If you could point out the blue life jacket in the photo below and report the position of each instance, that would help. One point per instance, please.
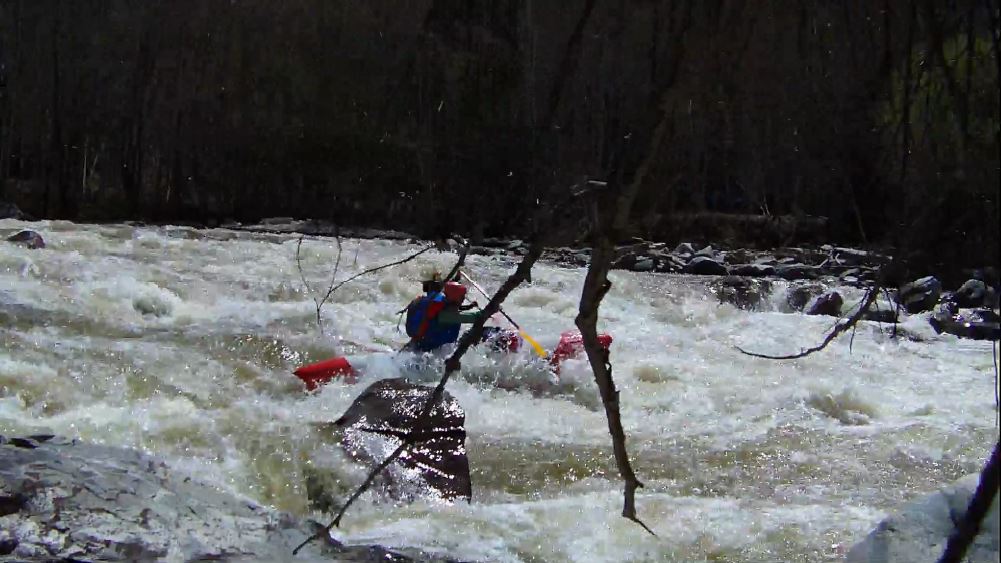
(423, 327)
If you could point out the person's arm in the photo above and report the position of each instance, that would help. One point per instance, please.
(454, 317)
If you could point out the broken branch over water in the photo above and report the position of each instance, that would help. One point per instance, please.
(452, 365)
(839, 328)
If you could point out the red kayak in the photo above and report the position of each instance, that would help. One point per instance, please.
(571, 346)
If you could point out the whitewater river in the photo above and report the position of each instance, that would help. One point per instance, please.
(181, 343)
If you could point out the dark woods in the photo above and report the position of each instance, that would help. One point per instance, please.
(440, 115)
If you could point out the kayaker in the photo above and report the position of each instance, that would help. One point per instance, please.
(434, 319)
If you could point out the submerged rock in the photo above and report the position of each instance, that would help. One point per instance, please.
(437, 467)
(976, 324)
(743, 293)
(920, 530)
(31, 239)
(61, 499)
(799, 296)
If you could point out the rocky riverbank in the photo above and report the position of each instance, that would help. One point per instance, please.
(743, 277)
(65, 500)
(920, 530)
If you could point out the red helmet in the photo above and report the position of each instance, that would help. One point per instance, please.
(454, 292)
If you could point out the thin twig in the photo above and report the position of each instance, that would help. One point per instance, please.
(452, 365)
(319, 303)
(870, 298)
(377, 268)
(333, 278)
(298, 264)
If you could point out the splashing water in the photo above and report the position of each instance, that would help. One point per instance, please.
(181, 342)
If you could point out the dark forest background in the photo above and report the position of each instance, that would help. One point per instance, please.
(881, 116)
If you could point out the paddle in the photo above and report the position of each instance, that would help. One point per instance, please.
(538, 349)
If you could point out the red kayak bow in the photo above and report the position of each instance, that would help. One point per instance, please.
(571, 345)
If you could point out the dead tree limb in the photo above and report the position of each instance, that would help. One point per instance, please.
(452, 365)
(839, 328)
(966, 530)
(596, 286)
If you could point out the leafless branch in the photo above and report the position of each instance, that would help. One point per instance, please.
(839, 328)
(334, 285)
(596, 286)
(333, 277)
(452, 365)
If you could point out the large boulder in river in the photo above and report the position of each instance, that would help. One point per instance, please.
(385, 412)
(704, 266)
(920, 295)
(31, 239)
(974, 293)
(827, 304)
(920, 530)
(64, 500)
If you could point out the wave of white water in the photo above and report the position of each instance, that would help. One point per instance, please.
(181, 342)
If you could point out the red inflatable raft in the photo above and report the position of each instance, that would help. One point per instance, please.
(571, 345)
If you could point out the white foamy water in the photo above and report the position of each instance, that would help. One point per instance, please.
(182, 342)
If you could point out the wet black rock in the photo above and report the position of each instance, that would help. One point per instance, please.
(703, 266)
(753, 270)
(797, 271)
(685, 249)
(385, 412)
(881, 315)
(827, 304)
(975, 324)
(31, 239)
(797, 297)
(974, 293)
(920, 295)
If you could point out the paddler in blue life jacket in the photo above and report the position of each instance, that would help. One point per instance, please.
(434, 319)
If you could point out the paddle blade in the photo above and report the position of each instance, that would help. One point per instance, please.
(535, 345)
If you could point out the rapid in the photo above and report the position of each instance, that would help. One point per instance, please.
(181, 342)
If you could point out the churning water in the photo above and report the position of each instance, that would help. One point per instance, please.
(181, 342)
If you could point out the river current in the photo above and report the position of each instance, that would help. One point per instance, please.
(181, 342)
